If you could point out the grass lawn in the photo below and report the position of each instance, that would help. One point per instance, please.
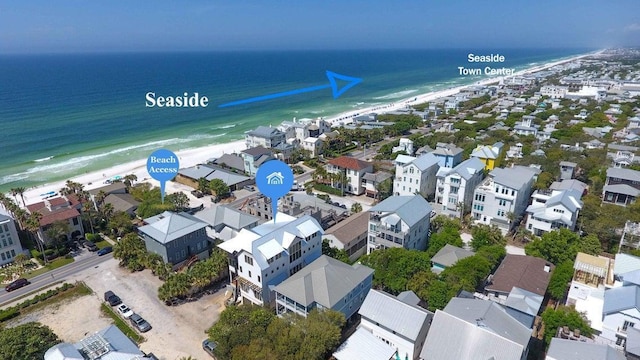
(121, 324)
(50, 266)
(103, 244)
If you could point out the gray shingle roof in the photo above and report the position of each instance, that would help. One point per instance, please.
(386, 310)
(231, 160)
(410, 209)
(350, 228)
(377, 177)
(169, 226)
(482, 329)
(622, 189)
(121, 202)
(565, 349)
(621, 298)
(515, 177)
(622, 173)
(446, 150)
(227, 177)
(196, 172)
(264, 132)
(449, 255)
(325, 281)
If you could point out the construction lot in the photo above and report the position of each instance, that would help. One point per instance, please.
(177, 330)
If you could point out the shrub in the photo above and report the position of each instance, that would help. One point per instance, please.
(8, 314)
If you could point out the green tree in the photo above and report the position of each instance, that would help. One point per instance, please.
(447, 235)
(338, 254)
(356, 208)
(27, 341)
(563, 316)
(130, 250)
(218, 188)
(560, 279)
(58, 232)
(394, 267)
(562, 245)
(485, 235)
(179, 200)
(120, 223)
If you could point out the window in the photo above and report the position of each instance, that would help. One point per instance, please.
(479, 197)
(627, 324)
(75, 221)
(258, 278)
(13, 253)
(249, 260)
(455, 181)
(296, 251)
(249, 273)
(502, 202)
(500, 212)
(454, 190)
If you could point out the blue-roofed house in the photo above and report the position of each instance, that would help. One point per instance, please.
(264, 136)
(400, 323)
(176, 237)
(448, 155)
(569, 349)
(416, 175)
(455, 187)
(399, 221)
(621, 311)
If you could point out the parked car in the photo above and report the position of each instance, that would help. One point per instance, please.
(249, 188)
(17, 284)
(91, 246)
(105, 250)
(141, 324)
(209, 346)
(125, 311)
(112, 298)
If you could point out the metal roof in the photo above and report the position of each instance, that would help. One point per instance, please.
(623, 173)
(410, 209)
(570, 199)
(565, 349)
(621, 298)
(388, 311)
(265, 132)
(468, 168)
(471, 329)
(220, 216)
(623, 189)
(425, 161)
(515, 178)
(524, 301)
(169, 226)
(326, 281)
(625, 263)
(363, 345)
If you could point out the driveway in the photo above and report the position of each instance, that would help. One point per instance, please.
(177, 331)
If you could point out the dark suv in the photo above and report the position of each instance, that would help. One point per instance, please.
(17, 284)
(112, 298)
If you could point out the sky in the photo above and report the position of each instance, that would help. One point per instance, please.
(45, 26)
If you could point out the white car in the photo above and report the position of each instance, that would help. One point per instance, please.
(124, 310)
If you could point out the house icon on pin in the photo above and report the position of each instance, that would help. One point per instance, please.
(275, 178)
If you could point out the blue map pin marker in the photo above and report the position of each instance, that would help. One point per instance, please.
(163, 166)
(274, 179)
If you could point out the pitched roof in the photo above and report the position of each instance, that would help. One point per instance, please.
(169, 226)
(449, 255)
(525, 272)
(377, 177)
(621, 298)
(233, 161)
(257, 151)
(468, 168)
(570, 199)
(623, 189)
(347, 162)
(623, 173)
(409, 297)
(363, 345)
(221, 216)
(565, 349)
(569, 184)
(326, 281)
(524, 301)
(62, 208)
(264, 132)
(425, 161)
(350, 228)
(388, 311)
(108, 189)
(515, 177)
(121, 202)
(446, 150)
(625, 263)
(486, 152)
(633, 341)
(482, 329)
(410, 209)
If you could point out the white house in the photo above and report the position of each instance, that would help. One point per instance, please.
(268, 254)
(553, 209)
(587, 290)
(455, 187)
(352, 171)
(620, 312)
(416, 175)
(526, 127)
(397, 321)
(264, 136)
(10, 245)
(554, 92)
(313, 146)
(503, 196)
(399, 221)
(405, 145)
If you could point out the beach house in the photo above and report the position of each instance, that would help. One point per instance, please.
(449, 155)
(264, 256)
(264, 136)
(10, 245)
(490, 155)
(63, 209)
(176, 237)
(350, 235)
(455, 187)
(399, 221)
(416, 175)
(350, 173)
(622, 186)
(254, 157)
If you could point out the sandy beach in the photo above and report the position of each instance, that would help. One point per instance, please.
(191, 157)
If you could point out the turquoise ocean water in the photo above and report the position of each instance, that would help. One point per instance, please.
(64, 115)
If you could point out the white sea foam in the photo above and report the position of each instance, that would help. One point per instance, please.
(396, 95)
(43, 159)
(226, 126)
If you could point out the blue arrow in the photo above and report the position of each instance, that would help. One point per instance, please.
(351, 82)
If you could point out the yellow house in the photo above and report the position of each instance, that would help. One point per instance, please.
(490, 155)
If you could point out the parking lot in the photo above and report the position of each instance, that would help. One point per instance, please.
(177, 330)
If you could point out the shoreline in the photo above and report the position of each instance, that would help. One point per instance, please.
(194, 156)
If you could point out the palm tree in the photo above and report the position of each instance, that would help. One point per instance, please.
(33, 226)
(99, 198)
(58, 231)
(14, 193)
(130, 179)
(20, 191)
(87, 210)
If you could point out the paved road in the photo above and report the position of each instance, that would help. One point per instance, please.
(83, 261)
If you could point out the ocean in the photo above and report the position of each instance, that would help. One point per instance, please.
(65, 115)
